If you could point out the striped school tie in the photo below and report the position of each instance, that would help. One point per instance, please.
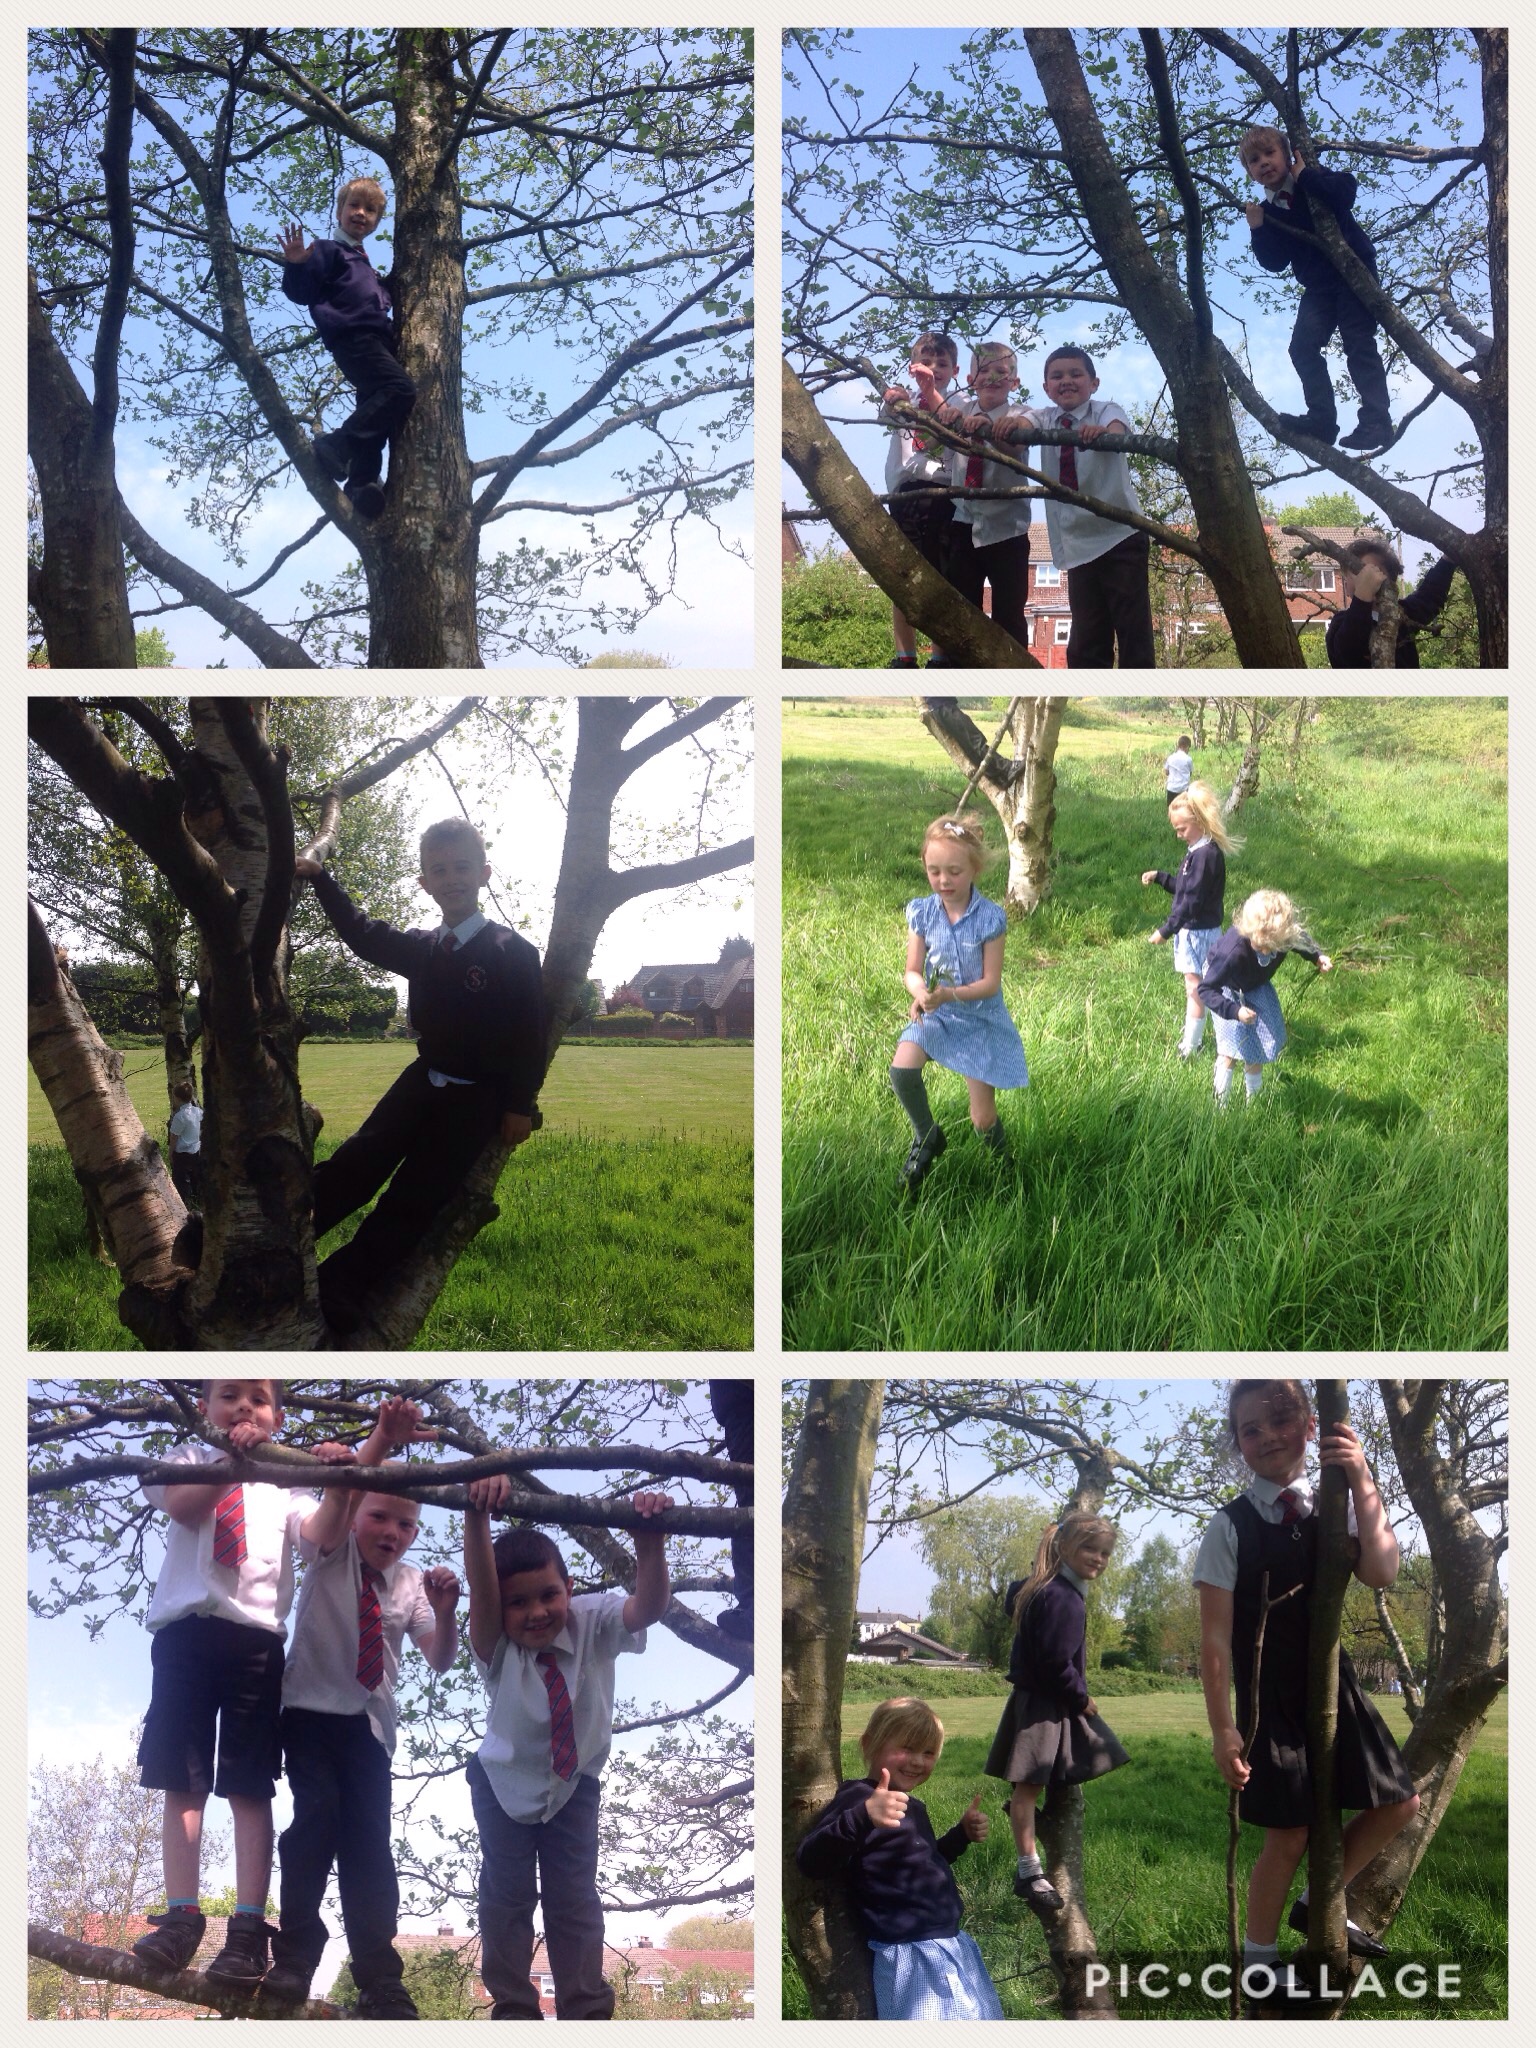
(229, 1529)
(1068, 471)
(1290, 1503)
(449, 942)
(562, 1728)
(370, 1631)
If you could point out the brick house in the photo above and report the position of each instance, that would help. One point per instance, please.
(718, 1000)
(642, 1974)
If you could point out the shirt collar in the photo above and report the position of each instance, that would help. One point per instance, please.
(350, 240)
(1073, 1579)
(1265, 1492)
(475, 923)
(1201, 842)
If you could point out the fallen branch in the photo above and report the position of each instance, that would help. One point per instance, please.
(186, 1987)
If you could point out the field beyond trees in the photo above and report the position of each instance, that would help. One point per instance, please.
(626, 1223)
(1361, 1203)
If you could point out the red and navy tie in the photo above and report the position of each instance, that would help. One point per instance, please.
(1069, 459)
(562, 1728)
(1290, 1503)
(229, 1529)
(449, 942)
(370, 1631)
(973, 471)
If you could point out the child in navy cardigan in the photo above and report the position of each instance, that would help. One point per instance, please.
(352, 310)
(1198, 891)
(1236, 985)
(477, 1007)
(1294, 188)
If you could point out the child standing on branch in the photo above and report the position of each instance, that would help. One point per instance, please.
(876, 1839)
(1050, 1733)
(915, 470)
(954, 976)
(1294, 191)
(352, 310)
(1198, 891)
(1271, 1528)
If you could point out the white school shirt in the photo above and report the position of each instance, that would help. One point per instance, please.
(321, 1672)
(187, 1129)
(463, 933)
(1216, 1559)
(258, 1592)
(905, 461)
(515, 1754)
(1078, 536)
(1177, 770)
(994, 519)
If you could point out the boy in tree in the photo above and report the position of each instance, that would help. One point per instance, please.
(1349, 630)
(913, 464)
(218, 1621)
(477, 1006)
(351, 309)
(548, 1665)
(1293, 190)
(359, 1602)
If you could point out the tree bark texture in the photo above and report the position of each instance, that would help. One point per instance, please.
(1473, 1665)
(186, 1987)
(1068, 1935)
(1233, 544)
(1020, 787)
(826, 1505)
(1325, 1842)
(879, 545)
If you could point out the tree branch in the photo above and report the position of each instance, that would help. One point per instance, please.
(116, 155)
(269, 646)
(186, 1987)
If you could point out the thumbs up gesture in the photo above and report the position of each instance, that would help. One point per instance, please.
(887, 1809)
(974, 1822)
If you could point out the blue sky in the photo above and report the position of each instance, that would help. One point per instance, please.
(84, 1699)
(1128, 372)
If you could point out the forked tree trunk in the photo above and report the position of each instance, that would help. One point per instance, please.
(825, 1508)
(1021, 787)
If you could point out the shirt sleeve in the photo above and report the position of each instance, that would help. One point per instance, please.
(991, 922)
(1270, 247)
(305, 282)
(917, 916)
(835, 1836)
(370, 938)
(1424, 604)
(1216, 1559)
(608, 1630)
(421, 1622)
(300, 1507)
(179, 1454)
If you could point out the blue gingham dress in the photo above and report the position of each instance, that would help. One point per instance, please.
(1191, 949)
(979, 1040)
(943, 1979)
(1257, 1043)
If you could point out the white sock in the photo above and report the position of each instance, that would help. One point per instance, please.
(1030, 1866)
(1259, 1951)
(1253, 1082)
(1223, 1081)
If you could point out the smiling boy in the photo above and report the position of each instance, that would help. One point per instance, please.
(547, 1659)
(351, 308)
(477, 1006)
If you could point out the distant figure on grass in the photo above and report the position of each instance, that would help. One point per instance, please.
(477, 1005)
(547, 1661)
(1294, 191)
(217, 1618)
(1236, 986)
(1178, 768)
(1050, 1733)
(989, 540)
(954, 976)
(351, 307)
(1349, 630)
(186, 1129)
(359, 1602)
(876, 1840)
(913, 464)
(1271, 1528)
(1198, 891)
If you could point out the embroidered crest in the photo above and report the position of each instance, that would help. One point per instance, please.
(476, 979)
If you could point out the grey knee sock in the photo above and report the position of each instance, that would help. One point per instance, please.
(912, 1093)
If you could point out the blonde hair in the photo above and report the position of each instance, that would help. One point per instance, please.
(959, 832)
(1058, 1546)
(988, 351)
(1271, 923)
(908, 1722)
(1201, 801)
(363, 185)
(1252, 137)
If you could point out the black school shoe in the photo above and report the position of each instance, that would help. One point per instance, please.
(287, 1984)
(367, 499)
(330, 451)
(242, 1961)
(1371, 433)
(175, 1941)
(1038, 1893)
(389, 2001)
(1326, 431)
(919, 1160)
(1360, 1943)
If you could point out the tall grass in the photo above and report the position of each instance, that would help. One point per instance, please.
(1359, 1203)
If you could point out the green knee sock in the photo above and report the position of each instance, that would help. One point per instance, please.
(912, 1093)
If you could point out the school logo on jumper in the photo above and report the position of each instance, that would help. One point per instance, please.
(475, 980)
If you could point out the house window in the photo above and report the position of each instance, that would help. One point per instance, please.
(1325, 579)
(1047, 576)
(1063, 632)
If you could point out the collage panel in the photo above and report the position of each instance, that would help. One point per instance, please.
(1055, 1727)
(1162, 347)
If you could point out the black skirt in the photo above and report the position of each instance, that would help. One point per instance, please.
(1036, 1744)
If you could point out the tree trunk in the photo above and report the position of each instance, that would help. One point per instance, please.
(170, 1008)
(421, 555)
(1233, 543)
(1059, 1831)
(1325, 1842)
(1413, 1698)
(825, 1508)
(81, 591)
(1020, 787)
(967, 635)
(1473, 1668)
(1246, 781)
(1489, 573)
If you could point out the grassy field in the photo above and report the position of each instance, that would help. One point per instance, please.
(625, 1225)
(1155, 1856)
(1360, 1203)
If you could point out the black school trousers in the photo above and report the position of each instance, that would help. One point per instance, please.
(1324, 310)
(385, 394)
(339, 1774)
(1004, 564)
(1112, 608)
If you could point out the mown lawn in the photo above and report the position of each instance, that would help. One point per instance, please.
(625, 1225)
(1360, 1203)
